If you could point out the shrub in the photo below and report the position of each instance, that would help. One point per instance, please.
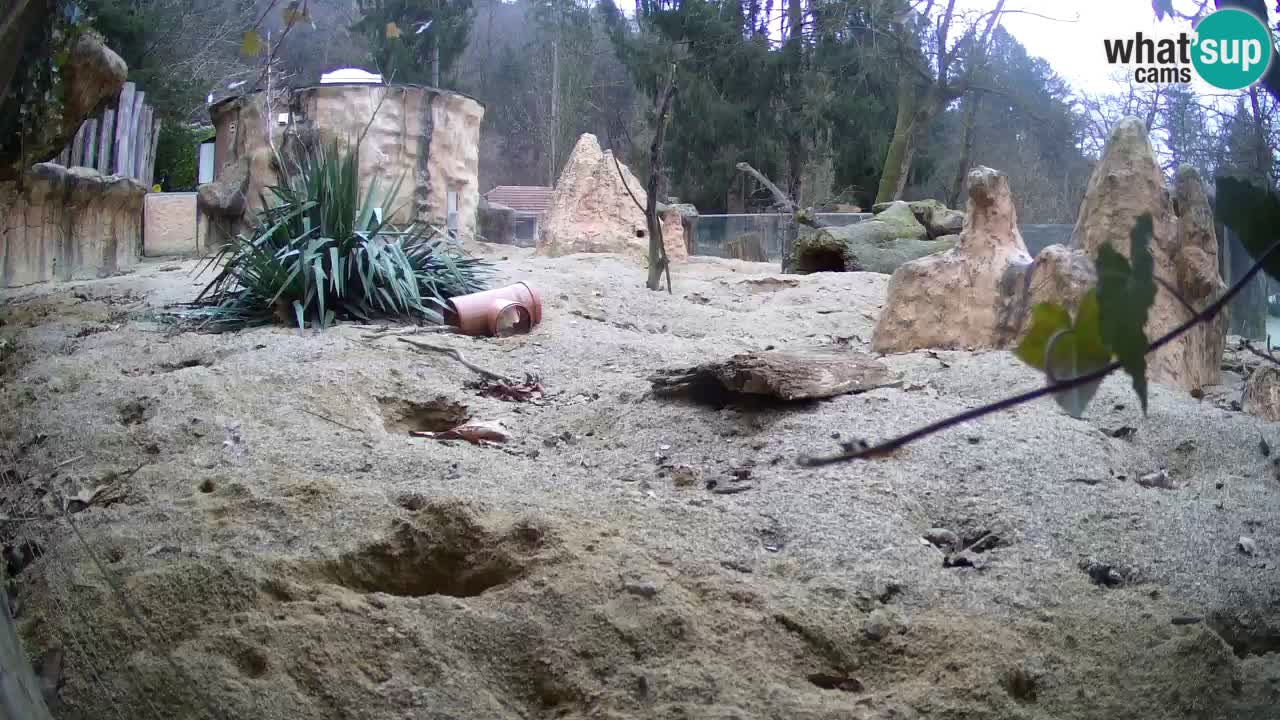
(319, 251)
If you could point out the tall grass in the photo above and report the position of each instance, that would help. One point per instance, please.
(320, 251)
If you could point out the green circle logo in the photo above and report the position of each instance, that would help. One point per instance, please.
(1232, 49)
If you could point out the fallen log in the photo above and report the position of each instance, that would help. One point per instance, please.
(783, 375)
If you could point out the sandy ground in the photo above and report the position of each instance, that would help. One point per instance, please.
(292, 553)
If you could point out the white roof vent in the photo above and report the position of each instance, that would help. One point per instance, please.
(350, 75)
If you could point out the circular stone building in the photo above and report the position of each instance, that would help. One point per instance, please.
(425, 137)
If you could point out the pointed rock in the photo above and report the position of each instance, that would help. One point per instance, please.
(962, 297)
(593, 212)
(1127, 183)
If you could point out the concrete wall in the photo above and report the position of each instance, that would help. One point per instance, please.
(170, 225)
(60, 224)
(424, 138)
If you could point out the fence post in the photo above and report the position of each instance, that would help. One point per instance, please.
(106, 135)
(90, 143)
(151, 155)
(124, 128)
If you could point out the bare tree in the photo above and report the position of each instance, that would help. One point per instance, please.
(929, 84)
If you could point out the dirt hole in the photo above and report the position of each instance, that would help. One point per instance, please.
(252, 663)
(1020, 685)
(443, 550)
(821, 261)
(400, 416)
(831, 681)
(1246, 635)
(184, 364)
(207, 486)
(136, 412)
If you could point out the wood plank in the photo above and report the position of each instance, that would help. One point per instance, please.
(77, 147)
(106, 138)
(790, 376)
(151, 156)
(90, 144)
(120, 154)
(135, 140)
(141, 140)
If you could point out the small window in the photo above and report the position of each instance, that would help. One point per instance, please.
(451, 218)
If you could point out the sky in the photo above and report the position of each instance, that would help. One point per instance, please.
(1072, 41)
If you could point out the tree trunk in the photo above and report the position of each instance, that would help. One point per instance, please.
(657, 250)
(897, 160)
(795, 99)
(555, 106)
(966, 150)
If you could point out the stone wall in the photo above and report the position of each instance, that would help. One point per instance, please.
(75, 224)
(169, 225)
(424, 138)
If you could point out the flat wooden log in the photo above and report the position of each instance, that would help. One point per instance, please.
(785, 375)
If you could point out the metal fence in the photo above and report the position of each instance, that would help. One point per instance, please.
(760, 237)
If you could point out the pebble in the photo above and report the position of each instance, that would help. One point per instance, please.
(879, 625)
(1247, 545)
(642, 589)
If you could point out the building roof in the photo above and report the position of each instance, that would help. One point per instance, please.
(521, 198)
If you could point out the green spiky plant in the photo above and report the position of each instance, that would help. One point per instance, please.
(319, 251)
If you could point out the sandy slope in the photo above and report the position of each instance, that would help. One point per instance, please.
(289, 567)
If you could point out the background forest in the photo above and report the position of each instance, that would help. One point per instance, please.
(848, 101)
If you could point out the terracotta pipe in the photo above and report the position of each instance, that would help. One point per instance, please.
(510, 310)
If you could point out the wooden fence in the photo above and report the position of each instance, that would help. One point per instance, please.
(120, 141)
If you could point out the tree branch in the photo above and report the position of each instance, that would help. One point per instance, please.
(780, 198)
(889, 446)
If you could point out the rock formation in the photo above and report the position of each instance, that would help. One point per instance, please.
(979, 294)
(880, 244)
(1128, 182)
(961, 298)
(91, 74)
(937, 219)
(68, 224)
(592, 211)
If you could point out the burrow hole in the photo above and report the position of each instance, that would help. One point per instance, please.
(821, 261)
(400, 416)
(443, 550)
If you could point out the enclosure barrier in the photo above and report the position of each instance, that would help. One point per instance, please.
(121, 140)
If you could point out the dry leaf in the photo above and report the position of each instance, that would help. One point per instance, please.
(250, 43)
(475, 432)
(393, 31)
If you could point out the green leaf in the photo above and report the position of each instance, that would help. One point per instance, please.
(1046, 320)
(1065, 350)
(1125, 294)
(1253, 214)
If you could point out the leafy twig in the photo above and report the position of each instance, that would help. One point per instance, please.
(889, 446)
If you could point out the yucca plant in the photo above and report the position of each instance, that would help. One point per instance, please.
(319, 251)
